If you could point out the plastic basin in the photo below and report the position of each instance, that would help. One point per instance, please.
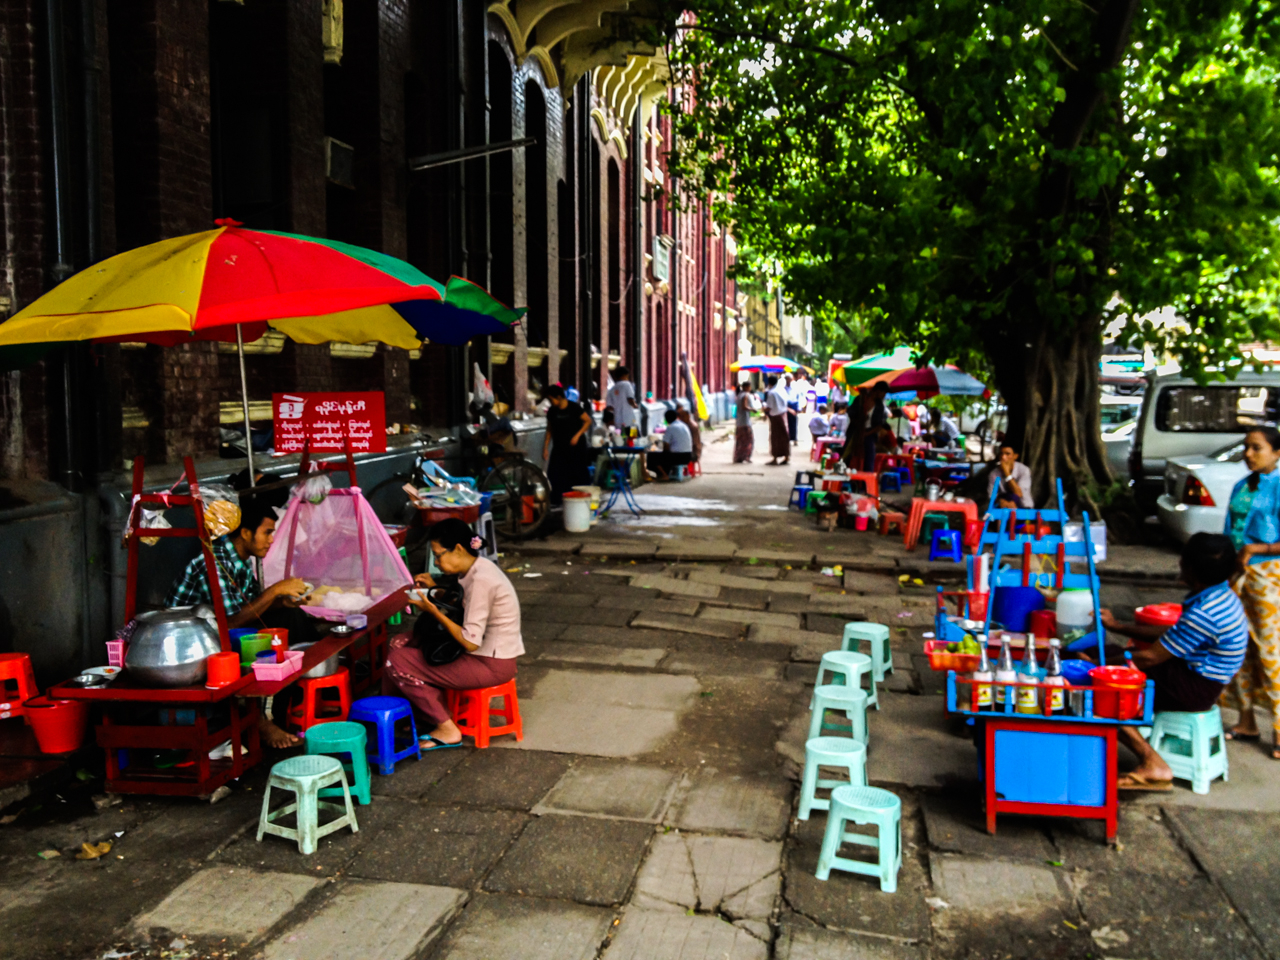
(59, 725)
(1117, 692)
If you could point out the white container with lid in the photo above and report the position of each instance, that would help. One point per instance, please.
(1075, 614)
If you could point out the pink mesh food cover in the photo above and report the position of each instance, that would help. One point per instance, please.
(338, 546)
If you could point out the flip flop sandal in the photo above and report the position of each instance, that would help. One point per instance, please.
(1242, 737)
(1135, 782)
(431, 743)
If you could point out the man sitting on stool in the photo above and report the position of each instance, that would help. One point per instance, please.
(1195, 658)
(1013, 479)
(677, 448)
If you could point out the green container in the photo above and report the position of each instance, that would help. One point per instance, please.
(252, 644)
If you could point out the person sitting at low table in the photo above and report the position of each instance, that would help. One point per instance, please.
(677, 448)
(1010, 480)
(1193, 660)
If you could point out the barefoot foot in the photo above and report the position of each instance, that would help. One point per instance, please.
(276, 738)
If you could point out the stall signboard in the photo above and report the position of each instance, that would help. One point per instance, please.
(328, 421)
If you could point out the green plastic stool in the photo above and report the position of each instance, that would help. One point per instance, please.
(813, 501)
(850, 701)
(305, 776)
(840, 752)
(850, 667)
(1192, 745)
(349, 743)
(877, 637)
(864, 805)
(930, 523)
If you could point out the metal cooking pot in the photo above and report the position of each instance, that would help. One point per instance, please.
(169, 647)
(932, 490)
(325, 668)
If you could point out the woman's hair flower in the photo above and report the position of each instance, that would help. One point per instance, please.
(476, 543)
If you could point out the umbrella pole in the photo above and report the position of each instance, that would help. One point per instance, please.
(244, 400)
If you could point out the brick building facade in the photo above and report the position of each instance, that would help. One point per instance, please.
(124, 122)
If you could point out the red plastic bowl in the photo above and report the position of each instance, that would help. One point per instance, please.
(1158, 614)
(1117, 692)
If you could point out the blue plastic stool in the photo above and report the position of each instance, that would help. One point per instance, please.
(806, 478)
(384, 713)
(799, 496)
(946, 546)
(890, 477)
(905, 474)
(840, 753)
(877, 637)
(1192, 745)
(347, 742)
(864, 805)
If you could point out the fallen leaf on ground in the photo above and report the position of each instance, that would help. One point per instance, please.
(92, 851)
(49, 854)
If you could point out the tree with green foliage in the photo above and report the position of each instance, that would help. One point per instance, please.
(1001, 180)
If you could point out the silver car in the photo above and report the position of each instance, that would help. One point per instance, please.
(1197, 490)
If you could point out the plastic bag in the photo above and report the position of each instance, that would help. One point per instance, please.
(315, 488)
(483, 393)
(221, 509)
(153, 520)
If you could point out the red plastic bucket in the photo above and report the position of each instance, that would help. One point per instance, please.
(1043, 623)
(978, 605)
(59, 725)
(1158, 614)
(1117, 692)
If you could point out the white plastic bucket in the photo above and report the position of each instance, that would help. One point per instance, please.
(577, 511)
(593, 496)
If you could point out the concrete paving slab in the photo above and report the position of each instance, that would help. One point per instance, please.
(955, 823)
(616, 636)
(1001, 886)
(672, 585)
(552, 546)
(618, 549)
(806, 645)
(666, 880)
(1186, 918)
(604, 654)
(877, 584)
(646, 601)
(500, 778)
(453, 846)
(916, 745)
(761, 571)
(583, 611)
(730, 615)
(1147, 845)
(602, 714)
(738, 877)
(413, 780)
(1239, 851)
(583, 859)
(850, 606)
(611, 788)
(797, 557)
(814, 943)
(333, 852)
(227, 902)
(735, 804)
(522, 928)
(662, 935)
(537, 603)
(740, 599)
(700, 625)
(829, 623)
(686, 548)
(710, 664)
(187, 831)
(370, 921)
(774, 587)
(542, 629)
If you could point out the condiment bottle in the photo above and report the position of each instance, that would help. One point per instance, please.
(980, 690)
(1005, 673)
(1055, 700)
(1028, 676)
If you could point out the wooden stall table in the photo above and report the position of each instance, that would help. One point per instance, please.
(920, 506)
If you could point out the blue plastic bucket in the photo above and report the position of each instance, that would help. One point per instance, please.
(1013, 605)
(1076, 672)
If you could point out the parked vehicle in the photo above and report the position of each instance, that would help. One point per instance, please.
(1117, 409)
(1116, 440)
(1181, 419)
(1197, 491)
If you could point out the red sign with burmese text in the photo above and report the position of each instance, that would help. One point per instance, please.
(328, 420)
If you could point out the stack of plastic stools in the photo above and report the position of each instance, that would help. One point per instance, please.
(384, 713)
(891, 519)
(890, 477)
(344, 739)
(799, 495)
(1192, 745)
(864, 805)
(305, 776)
(17, 684)
(946, 546)
(472, 711)
(842, 753)
(314, 708)
(850, 666)
(850, 701)
(877, 637)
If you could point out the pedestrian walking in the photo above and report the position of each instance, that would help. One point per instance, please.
(744, 436)
(775, 406)
(564, 448)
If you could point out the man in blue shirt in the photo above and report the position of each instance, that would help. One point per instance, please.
(1195, 658)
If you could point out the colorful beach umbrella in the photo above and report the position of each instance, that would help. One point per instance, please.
(854, 371)
(934, 381)
(764, 364)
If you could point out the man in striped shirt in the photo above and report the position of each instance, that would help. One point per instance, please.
(1195, 658)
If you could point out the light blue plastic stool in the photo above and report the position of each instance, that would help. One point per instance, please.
(946, 546)
(850, 701)
(799, 496)
(890, 482)
(840, 752)
(347, 742)
(850, 667)
(877, 637)
(864, 805)
(384, 713)
(1192, 745)
(305, 776)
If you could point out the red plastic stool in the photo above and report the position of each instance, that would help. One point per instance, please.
(315, 708)
(889, 520)
(471, 710)
(17, 684)
(693, 468)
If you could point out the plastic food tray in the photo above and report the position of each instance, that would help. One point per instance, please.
(940, 659)
(278, 671)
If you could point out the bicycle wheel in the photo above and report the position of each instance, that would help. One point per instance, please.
(521, 498)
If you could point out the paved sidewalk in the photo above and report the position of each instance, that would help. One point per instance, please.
(650, 810)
